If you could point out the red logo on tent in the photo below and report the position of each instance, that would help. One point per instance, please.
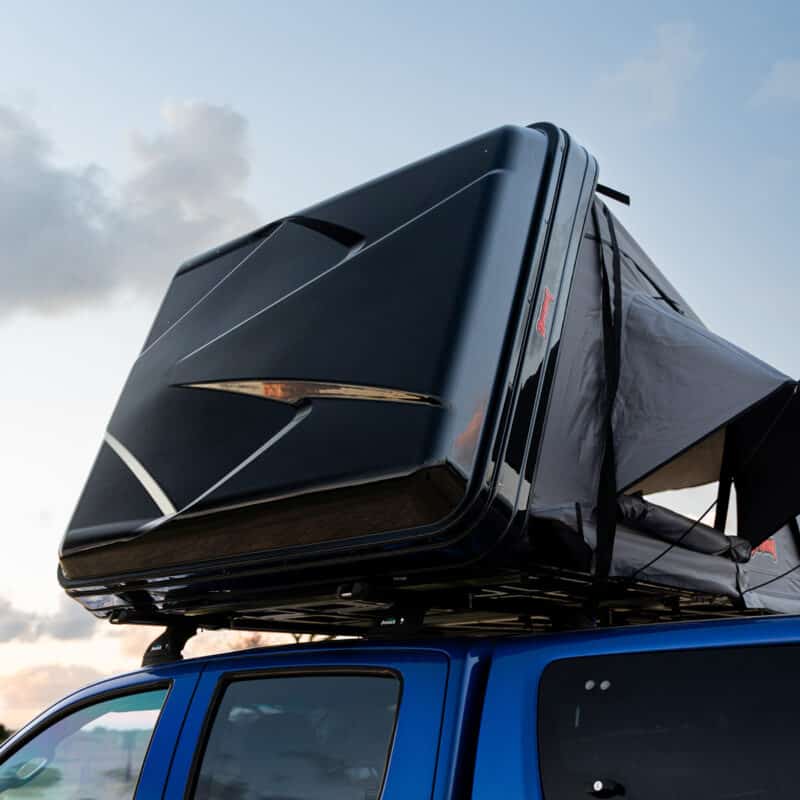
(768, 548)
(541, 325)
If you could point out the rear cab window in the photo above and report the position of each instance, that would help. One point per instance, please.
(706, 724)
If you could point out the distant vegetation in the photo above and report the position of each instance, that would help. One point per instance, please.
(4, 733)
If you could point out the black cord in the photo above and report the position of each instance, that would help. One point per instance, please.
(674, 544)
(771, 580)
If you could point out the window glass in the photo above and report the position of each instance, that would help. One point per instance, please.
(699, 725)
(304, 737)
(95, 753)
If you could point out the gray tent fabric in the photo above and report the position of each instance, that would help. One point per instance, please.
(570, 447)
(768, 580)
(679, 384)
(690, 407)
(671, 527)
(771, 579)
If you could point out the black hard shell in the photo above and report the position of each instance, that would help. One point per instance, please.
(421, 289)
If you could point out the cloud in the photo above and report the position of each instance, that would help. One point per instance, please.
(782, 83)
(224, 641)
(14, 624)
(74, 236)
(26, 693)
(646, 90)
(70, 621)
(134, 640)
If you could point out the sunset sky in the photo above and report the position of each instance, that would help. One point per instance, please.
(135, 136)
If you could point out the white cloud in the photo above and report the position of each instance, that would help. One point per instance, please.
(27, 692)
(646, 90)
(782, 83)
(14, 624)
(70, 621)
(73, 236)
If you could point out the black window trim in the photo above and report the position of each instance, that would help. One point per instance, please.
(243, 675)
(92, 700)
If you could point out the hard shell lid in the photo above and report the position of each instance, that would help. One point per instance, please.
(335, 375)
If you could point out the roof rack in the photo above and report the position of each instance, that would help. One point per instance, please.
(543, 601)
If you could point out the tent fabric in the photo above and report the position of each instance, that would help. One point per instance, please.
(569, 450)
(680, 387)
(694, 467)
(769, 579)
(766, 443)
(671, 527)
(611, 299)
(679, 383)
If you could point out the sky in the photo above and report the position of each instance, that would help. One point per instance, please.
(135, 136)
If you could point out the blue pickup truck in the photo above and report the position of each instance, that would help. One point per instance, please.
(435, 415)
(698, 711)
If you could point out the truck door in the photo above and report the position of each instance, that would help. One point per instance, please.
(313, 724)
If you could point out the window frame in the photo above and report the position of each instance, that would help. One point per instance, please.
(46, 720)
(247, 675)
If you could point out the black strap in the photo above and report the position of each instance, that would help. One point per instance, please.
(579, 519)
(614, 194)
(795, 529)
(725, 484)
(612, 349)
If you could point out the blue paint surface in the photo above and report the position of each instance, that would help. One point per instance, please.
(465, 704)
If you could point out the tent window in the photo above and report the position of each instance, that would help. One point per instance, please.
(697, 466)
(693, 502)
(689, 484)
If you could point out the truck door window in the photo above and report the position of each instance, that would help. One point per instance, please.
(708, 724)
(304, 737)
(92, 754)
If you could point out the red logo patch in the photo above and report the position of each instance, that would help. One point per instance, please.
(541, 325)
(769, 548)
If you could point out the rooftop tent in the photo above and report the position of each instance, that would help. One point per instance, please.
(405, 388)
(690, 407)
